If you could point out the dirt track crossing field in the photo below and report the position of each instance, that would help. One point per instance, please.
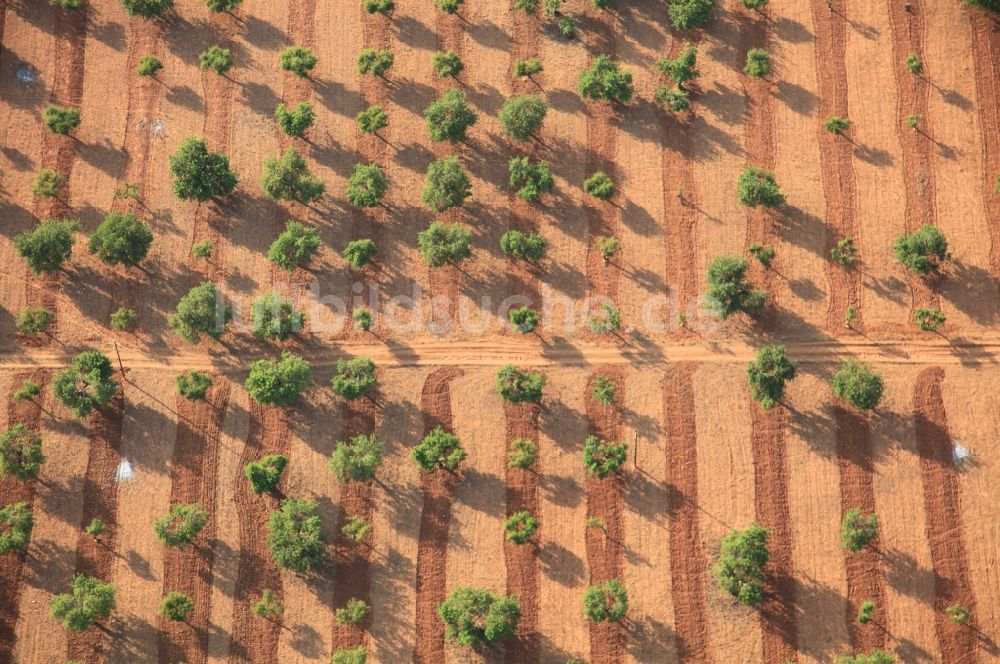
(703, 457)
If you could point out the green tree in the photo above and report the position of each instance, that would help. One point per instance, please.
(294, 247)
(220, 6)
(366, 186)
(442, 243)
(740, 568)
(690, 14)
(358, 253)
(357, 655)
(769, 373)
(46, 183)
(182, 524)
(355, 530)
(874, 657)
(607, 321)
(216, 58)
(202, 249)
(958, 614)
(757, 186)
(295, 537)
(353, 612)
(518, 386)
(605, 80)
(681, 69)
(758, 63)
(607, 602)
(858, 530)
(519, 527)
(199, 174)
(473, 617)
(29, 391)
(447, 184)
(858, 385)
(47, 246)
(530, 180)
(35, 320)
(600, 186)
(373, 62)
(527, 68)
(449, 117)
(362, 317)
(523, 247)
(865, 612)
(289, 179)
(845, 253)
(923, 250)
(756, 5)
(929, 320)
(298, 60)
(523, 453)
(354, 378)
(439, 449)
(447, 64)
(202, 311)
(728, 290)
(69, 5)
(527, 6)
(61, 120)
(95, 528)
(379, 6)
(604, 390)
(193, 385)
(524, 319)
(278, 382)
(21, 452)
(356, 460)
(295, 121)
(273, 317)
(677, 100)
(372, 119)
(265, 474)
(449, 6)
(990, 5)
(16, 522)
(123, 318)
(602, 458)
(763, 253)
(87, 384)
(608, 247)
(176, 606)
(121, 239)
(269, 606)
(836, 124)
(522, 117)
(149, 65)
(90, 601)
(914, 64)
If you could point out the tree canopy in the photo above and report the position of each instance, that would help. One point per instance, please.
(21, 452)
(768, 374)
(357, 459)
(473, 617)
(923, 250)
(278, 382)
(89, 601)
(522, 117)
(728, 290)
(858, 385)
(289, 179)
(517, 386)
(603, 458)
(442, 243)
(295, 536)
(439, 449)
(182, 524)
(449, 117)
(354, 378)
(605, 80)
(273, 317)
(121, 239)
(47, 246)
(447, 184)
(199, 174)
(690, 14)
(740, 569)
(607, 602)
(87, 384)
(202, 311)
(295, 246)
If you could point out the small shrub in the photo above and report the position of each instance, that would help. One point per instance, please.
(122, 318)
(372, 119)
(682, 68)
(295, 536)
(193, 385)
(147, 8)
(127, 191)
(763, 254)
(858, 530)
(439, 449)
(295, 122)
(958, 614)
(523, 247)
(530, 179)
(607, 602)
(608, 246)
(353, 612)
(929, 320)
(69, 5)
(294, 247)
(866, 611)
(379, 6)
(264, 475)
(447, 64)
(149, 65)
(202, 249)
(690, 14)
(768, 374)
(914, 64)
(605, 80)
(608, 321)
(516, 386)
(604, 390)
(269, 606)
(602, 458)
(758, 63)
(527, 6)
(845, 253)
(850, 315)
(874, 657)
(362, 317)
(355, 530)
(527, 68)
(677, 100)
(89, 601)
(354, 378)
(596, 522)
(755, 5)
(524, 319)
(95, 528)
(278, 382)
(519, 527)
(923, 250)
(216, 58)
(448, 6)
(176, 606)
(46, 183)
(28, 391)
(373, 62)
(357, 655)
(600, 186)
(836, 124)
(757, 186)
(16, 522)
(474, 617)
(35, 320)
(298, 60)
(441, 244)
(858, 385)
(449, 117)
(61, 120)
(740, 569)
(358, 253)
(523, 453)
(912, 121)
(567, 26)
(182, 524)
(220, 6)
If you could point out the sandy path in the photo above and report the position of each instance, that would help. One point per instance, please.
(906, 557)
(235, 429)
(148, 432)
(726, 500)
(475, 537)
(966, 396)
(972, 291)
(562, 511)
(396, 521)
(880, 177)
(943, 506)
(814, 513)
(648, 556)
(194, 473)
